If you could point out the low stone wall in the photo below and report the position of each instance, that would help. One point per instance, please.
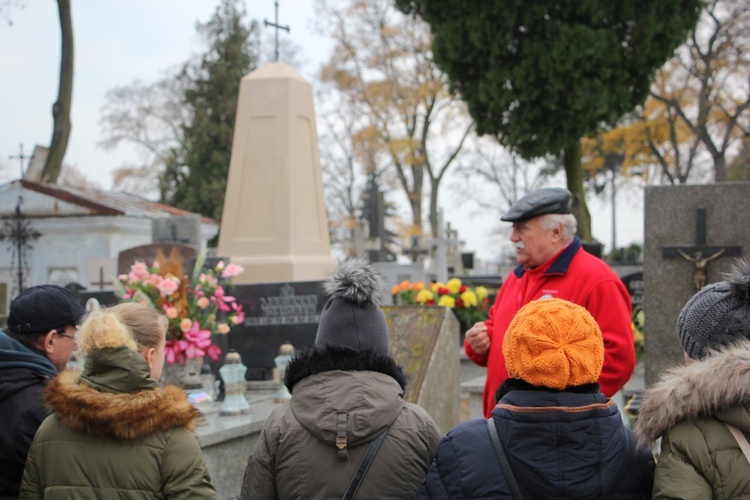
(228, 441)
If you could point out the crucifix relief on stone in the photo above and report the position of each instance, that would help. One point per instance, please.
(701, 253)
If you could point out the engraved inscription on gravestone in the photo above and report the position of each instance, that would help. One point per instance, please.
(274, 313)
(634, 283)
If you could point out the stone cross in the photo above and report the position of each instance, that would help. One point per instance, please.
(446, 239)
(701, 253)
(277, 27)
(101, 281)
(20, 157)
(362, 241)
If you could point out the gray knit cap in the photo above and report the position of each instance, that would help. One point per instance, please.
(718, 315)
(352, 317)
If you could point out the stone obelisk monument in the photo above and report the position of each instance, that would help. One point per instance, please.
(274, 221)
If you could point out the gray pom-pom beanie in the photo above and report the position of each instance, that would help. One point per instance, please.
(351, 317)
(718, 315)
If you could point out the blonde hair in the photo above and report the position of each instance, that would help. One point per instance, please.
(129, 324)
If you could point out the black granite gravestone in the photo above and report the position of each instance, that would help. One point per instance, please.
(634, 283)
(274, 313)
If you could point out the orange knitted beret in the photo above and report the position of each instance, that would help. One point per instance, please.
(554, 343)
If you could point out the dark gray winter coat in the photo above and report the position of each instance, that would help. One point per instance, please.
(344, 393)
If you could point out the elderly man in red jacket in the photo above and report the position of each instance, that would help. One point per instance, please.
(552, 263)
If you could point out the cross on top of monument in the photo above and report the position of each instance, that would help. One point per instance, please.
(701, 253)
(277, 27)
(20, 157)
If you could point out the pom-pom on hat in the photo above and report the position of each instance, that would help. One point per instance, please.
(718, 315)
(351, 317)
(554, 343)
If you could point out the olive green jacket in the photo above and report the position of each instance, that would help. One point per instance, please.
(115, 434)
(700, 459)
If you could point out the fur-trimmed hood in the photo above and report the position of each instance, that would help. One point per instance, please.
(715, 384)
(113, 403)
(317, 360)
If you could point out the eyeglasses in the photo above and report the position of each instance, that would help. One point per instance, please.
(61, 331)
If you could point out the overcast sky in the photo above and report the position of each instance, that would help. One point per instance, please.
(118, 42)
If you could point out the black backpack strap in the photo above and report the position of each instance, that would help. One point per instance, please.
(364, 464)
(510, 478)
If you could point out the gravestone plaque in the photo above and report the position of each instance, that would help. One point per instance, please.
(634, 283)
(180, 229)
(689, 219)
(423, 342)
(147, 254)
(274, 313)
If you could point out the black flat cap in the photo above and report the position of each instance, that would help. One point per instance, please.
(540, 202)
(41, 308)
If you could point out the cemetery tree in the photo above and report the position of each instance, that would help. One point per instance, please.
(698, 110)
(148, 116)
(541, 75)
(61, 109)
(408, 128)
(707, 84)
(196, 171)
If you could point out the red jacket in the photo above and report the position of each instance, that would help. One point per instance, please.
(577, 276)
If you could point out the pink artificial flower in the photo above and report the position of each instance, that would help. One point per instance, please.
(168, 286)
(232, 270)
(208, 280)
(240, 317)
(220, 299)
(173, 352)
(155, 264)
(129, 293)
(185, 325)
(220, 266)
(170, 312)
(203, 302)
(197, 339)
(223, 328)
(154, 280)
(138, 271)
(213, 352)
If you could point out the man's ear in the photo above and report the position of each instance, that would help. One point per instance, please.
(46, 343)
(557, 232)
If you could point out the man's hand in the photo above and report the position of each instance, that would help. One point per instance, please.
(478, 338)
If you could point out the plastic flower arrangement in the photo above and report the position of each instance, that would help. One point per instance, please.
(469, 305)
(196, 309)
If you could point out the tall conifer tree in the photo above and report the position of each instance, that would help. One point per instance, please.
(196, 171)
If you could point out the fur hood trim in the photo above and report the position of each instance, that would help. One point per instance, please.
(720, 381)
(126, 416)
(318, 360)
